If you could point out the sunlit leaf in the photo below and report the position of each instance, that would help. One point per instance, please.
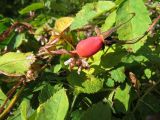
(135, 27)
(118, 74)
(110, 20)
(85, 84)
(122, 98)
(91, 11)
(16, 64)
(54, 108)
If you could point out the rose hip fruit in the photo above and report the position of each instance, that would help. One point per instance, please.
(88, 47)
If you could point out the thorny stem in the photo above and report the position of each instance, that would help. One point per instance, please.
(9, 95)
(153, 24)
(12, 103)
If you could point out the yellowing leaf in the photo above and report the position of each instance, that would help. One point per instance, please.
(63, 23)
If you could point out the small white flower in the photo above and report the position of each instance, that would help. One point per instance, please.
(68, 61)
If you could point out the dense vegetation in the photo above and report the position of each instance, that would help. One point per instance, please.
(79, 60)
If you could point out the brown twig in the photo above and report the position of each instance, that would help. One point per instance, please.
(6, 33)
(10, 94)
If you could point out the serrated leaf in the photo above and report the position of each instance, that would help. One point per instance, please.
(63, 23)
(109, 82)
(85, 84)
(16, 64)
(91, 11)
(135, 27)
(110, 20)
(130, 58)
(98, 111)
(55, 108)
(121, 98)
(118, 74)
(32, 7)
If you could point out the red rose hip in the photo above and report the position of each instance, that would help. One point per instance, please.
(90, 46)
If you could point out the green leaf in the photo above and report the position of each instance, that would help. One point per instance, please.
(54, 108)
(7, 41)
(135, 27)
(32, 7)
(57, 68)
(130, 58)
(109, 82)
(47, 92)
(2, 97)
(118, 74)
(91, 11)
(25, 109)
(122, 98)
(16, 115)
(98, 111)
(148, 73)
(112, 59)
(2, 28)
(109, 22)
(19, 40)
(85, 84)
(16, 64)
(76, 115)
(33, 116)
(23, 112)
